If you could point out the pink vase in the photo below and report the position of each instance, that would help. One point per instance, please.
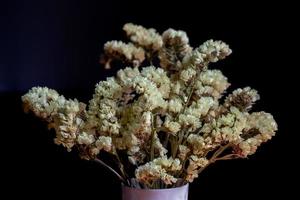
(178, 193)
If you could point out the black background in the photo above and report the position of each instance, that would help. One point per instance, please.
(57, 44)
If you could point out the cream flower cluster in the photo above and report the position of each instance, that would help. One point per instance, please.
(146, 38)
(122, 51)
(63, 115)
(175, 47)
(158, 169)
(163, 124)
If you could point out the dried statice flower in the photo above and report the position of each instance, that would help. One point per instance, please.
(42, 101)
(175, 47)
(195, 163)
(194, 58)
(214, 50)
(260, 128)
(121, 51)
(187, 74)
(146, 38)
(85, 138)
(183, 152)
(243, 99)
(197, 144)
(200, 107)
(175, 105)
(211, 83)
(104, 142)
(158, 170)
(160, 78)
(189, 122)
(66, 125)
(150, 173)
(168, 164)
(63, 115)
(226, 128)
(172, 126)
(161, 123)
(209, 51)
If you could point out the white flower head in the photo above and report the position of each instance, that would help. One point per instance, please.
(147, 38)
(85, 138)
(105, 143)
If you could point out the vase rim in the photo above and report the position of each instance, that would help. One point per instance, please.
(159, 189)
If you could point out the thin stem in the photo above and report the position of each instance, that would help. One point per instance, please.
(190, 93)
(179, 141)
(186, 137)
(183, 110)
(153, 131)
(121, 164)
(173, 144)
(109, 168)
(189, 96)
(183, 164)
(229, 157)
(219, 151)
(214, 157)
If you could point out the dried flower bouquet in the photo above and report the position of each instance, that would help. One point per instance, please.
(163, 125)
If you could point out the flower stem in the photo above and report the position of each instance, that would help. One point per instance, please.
(190, 93)
(121, 164)
(97, 160)
(179, 141)
(214, 158)
(229, 157)
(153, 132)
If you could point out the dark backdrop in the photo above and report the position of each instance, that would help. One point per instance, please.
(57, 44)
